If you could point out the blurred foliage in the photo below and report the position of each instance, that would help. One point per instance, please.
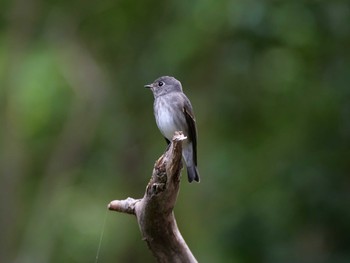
(269, 82)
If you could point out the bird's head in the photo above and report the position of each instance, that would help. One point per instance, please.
(164, 85)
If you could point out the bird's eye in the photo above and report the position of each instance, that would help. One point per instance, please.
(160, 83)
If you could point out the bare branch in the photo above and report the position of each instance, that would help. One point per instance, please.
(124, 206)
(154, 212)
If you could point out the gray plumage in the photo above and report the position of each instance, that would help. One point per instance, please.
(173, 112)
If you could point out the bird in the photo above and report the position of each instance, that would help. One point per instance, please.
(173, 112)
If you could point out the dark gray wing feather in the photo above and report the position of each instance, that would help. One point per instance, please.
(192, 131)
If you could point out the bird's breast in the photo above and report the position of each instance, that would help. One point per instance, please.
(169, 118)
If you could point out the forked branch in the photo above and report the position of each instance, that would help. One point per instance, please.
(154, 212)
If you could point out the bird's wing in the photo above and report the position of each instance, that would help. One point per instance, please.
(192, 131)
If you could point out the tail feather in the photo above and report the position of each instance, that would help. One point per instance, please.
(192, 174)
(191, 163)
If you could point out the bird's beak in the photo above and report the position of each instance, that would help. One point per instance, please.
(149, 86)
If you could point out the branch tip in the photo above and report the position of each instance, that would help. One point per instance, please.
(124, 206)
(179, 136)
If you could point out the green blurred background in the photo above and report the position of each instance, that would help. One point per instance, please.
(269, 82)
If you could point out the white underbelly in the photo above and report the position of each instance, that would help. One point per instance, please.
(167, 124)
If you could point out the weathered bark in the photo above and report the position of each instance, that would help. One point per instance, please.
(154, 212)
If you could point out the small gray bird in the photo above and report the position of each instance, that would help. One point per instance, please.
(173, 112)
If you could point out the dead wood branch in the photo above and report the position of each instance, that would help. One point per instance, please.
(154, 212)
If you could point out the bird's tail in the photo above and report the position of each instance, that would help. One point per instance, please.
(192, 173)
